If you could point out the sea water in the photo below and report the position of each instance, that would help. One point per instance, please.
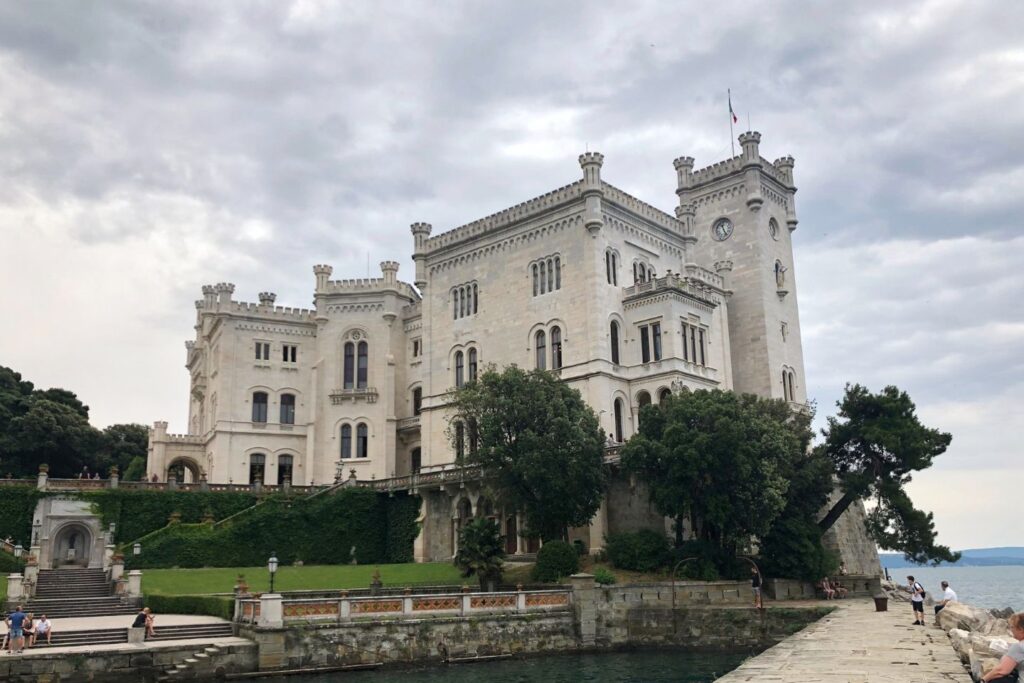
(989, 587)
(647, 666)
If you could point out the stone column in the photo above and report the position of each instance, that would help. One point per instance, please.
(116, 567)
(584, 603)
(15, 587)
(44, 471)
(135, 584)
(599, 526)
(271, 611)
(108, 555)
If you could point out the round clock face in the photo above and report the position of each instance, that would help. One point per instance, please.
(722, 229)
(773, 228)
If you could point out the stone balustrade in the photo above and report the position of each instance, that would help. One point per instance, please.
(249, 610)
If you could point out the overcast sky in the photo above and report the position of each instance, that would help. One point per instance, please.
(148, 148)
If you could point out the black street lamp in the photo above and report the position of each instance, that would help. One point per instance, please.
(272, 568)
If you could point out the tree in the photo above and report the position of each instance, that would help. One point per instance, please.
(540, 446)
(719, 459)
(121, 445)
(481, 551)
(876, 442)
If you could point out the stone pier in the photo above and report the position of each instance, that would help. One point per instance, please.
(855, 644)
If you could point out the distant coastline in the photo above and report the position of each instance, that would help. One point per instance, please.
(972, 557)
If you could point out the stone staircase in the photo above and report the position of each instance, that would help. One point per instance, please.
(64, 593)
(199, 663)
(120, 635)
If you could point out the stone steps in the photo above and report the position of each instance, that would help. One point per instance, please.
(111, 636)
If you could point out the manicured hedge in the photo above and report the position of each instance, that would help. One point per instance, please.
(556, 560)
(138, 513)
(352, 524)
(10, 564)
(211, 605)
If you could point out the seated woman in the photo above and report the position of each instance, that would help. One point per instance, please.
(826, 587)
(839, 589)
(29, 631)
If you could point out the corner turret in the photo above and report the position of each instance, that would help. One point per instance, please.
(209, 296)
(684, 175)
(267, 299)
(591, 163)
(785, 167)
(389, 269)
(323, 274)
(686, 212)
(224, 291)
(751, 141)
(420, 233)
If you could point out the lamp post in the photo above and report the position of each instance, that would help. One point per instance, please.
(136, 549)
(272, 568)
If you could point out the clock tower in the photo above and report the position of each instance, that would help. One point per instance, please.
(743, 220)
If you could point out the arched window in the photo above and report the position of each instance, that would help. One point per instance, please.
(472, 365)
(346, 442)
(558, 273)
(643, 399)
(615, 269)
(284, 469)
(608, 266)
(541, 343)
(543, 276)
(361, 370)
(556, 348)
(350, 365)
(551, 276)
(663, 394)
(259, 406)
(462, 302)
(614, 332)
(257, 465)
(458, 369)
(415, 459)
(618, 420)
(536, 280)
(460, 440)
(475, 300)
(362, 440)
(417, 401)
(455, 304)
(287, 409)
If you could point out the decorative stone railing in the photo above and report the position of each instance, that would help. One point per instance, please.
(368, 394)
(407, 423)
(263, 610)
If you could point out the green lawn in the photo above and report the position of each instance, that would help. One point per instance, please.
(222, 580)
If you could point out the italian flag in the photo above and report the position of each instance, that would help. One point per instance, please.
(731, 112)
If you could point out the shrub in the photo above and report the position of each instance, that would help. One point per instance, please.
(555, 560)
(641, 551)
(9, 564)
(212, 605)
(481, 551)
(603, 576)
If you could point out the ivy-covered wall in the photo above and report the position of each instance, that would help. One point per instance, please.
(331, 529)
(17, 504)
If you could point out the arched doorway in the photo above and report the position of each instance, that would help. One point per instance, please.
(184, 471)
(72, 546)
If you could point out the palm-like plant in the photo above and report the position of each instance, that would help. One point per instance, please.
(481, 551)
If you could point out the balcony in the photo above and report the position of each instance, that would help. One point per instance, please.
(367, 394)
(409, 424)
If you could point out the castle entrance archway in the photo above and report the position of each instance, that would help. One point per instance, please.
(72, 546)
(184, 471)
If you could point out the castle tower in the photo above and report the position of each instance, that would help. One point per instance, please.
(420, 233)
(744, 216)
(591, 163)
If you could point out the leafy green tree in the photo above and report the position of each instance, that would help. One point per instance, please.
(136, 470)
(121, 444)
(719, 459)
(876, 443)
(540, 446)
(481, 551)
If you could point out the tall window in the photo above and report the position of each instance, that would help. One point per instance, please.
(614, 333)
(362, 440)
(558, 273)
(618, 420)
(700, 346)
(415, 460)
(547, 275)
(361, 369)
(460, 440)
(656, 340)
(694, 344)
(458, 369)
(543, 276)
(262, 350)
(289, 353)
(287, 409)
(346, 442)
(556, 348)
(465, 301)
(536, 280)
(417, 401)
(284, 469)
(417, 346)
(475, 299)
(645, 344)
(259, 406)
(541, 343)
(472, 365)
(257, 466)
(350, 365)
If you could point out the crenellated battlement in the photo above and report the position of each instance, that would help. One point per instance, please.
(280, 312)
(640, 208)
(718, 170)
(509, 216)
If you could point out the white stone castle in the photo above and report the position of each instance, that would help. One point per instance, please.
(625, 302)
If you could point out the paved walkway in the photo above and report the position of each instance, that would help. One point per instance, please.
(123, 621)
(855, 644)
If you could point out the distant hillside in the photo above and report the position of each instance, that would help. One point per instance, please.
(972, 557)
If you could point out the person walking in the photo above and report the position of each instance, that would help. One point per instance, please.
(1010, 668)
(916, 600)
(755, 585)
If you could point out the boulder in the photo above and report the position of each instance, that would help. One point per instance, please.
(1004, 613)
(997, 627)
(981, 665)
(988, 646)
(961, 642)
(963, 616)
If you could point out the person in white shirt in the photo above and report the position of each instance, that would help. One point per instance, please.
(948, 596)
(44, 629)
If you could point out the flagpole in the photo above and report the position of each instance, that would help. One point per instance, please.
(732, 138)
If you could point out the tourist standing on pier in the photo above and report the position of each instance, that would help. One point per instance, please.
(1011, 667)
(916, 600)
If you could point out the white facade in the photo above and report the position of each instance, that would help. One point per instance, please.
(569, 265)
